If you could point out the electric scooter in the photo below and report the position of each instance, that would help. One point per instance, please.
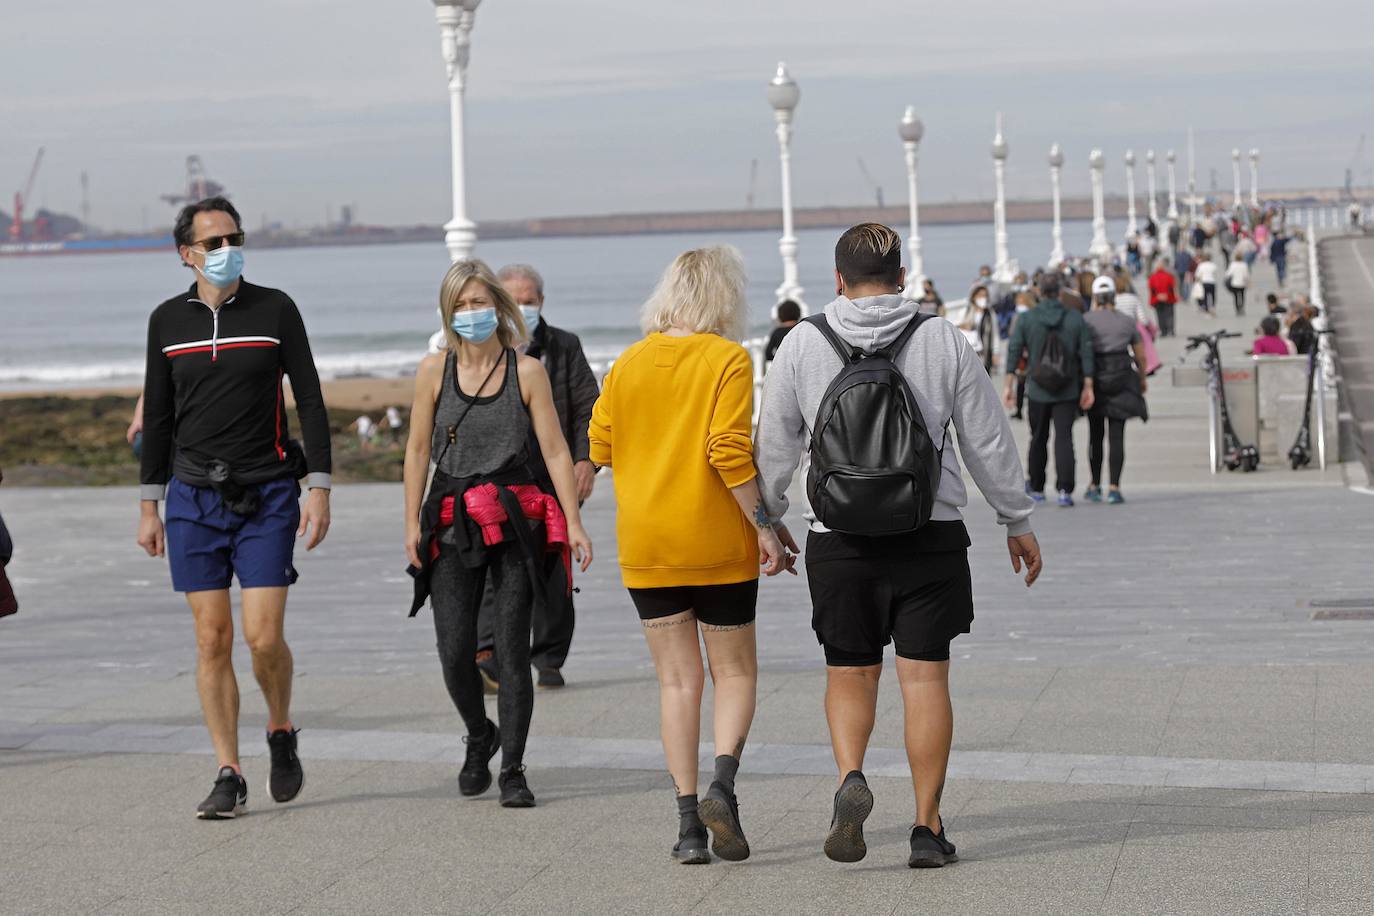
(1235, 454)
(1300, 455)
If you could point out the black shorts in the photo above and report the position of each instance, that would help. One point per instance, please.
(714, 605)
(867, 592)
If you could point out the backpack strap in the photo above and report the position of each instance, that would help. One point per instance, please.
(847, 353)
(892, 349)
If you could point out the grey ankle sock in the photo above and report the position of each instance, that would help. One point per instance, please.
(726, 768)
(687, 814)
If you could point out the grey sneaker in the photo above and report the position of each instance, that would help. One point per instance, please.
(853, 804)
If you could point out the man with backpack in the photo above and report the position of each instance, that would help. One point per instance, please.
(1059, 381)
(865, 396)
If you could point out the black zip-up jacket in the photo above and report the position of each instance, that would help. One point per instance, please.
(574, 385)
(213, 390)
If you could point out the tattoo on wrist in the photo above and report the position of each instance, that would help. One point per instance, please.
(761, 518)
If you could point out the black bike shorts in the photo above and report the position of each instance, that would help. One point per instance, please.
(714, 605)
(863, 599)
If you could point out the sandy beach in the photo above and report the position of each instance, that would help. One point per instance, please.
(362, 393)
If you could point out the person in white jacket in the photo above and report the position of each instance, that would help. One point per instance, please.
(1206, 274)
(1237, 279)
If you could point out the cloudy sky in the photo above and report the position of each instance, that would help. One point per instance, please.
(596, 106)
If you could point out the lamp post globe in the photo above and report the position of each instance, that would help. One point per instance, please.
(783, 96)
(911, 130)
(1056, 159)
(1002, 272)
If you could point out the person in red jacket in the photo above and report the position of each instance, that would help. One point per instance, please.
(1164, 296)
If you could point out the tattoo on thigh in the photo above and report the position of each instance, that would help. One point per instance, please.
(661, 624)
(713, 628)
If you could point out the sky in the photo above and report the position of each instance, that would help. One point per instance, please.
(603, 106)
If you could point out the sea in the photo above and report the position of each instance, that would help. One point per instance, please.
(81, 321)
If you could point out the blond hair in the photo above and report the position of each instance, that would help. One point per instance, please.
(701, 291)
(510, 323)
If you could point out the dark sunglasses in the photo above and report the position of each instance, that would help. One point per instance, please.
(234, 239)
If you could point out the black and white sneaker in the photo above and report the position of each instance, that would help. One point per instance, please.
(515, 792)
(853, 804)
(719, 811)
(475, 777)
(228, 799)
(286, 777)
(930, 849)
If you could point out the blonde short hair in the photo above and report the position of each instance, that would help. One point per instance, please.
(701, 291)
(510, 323)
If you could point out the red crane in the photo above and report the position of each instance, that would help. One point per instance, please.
(17, 227)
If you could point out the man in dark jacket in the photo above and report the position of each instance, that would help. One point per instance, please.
(574, 392)
(1057, 407)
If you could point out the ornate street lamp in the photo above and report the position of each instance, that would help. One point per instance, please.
(1172, 215)
(1151, 187)
(455, 19)
(1235, 175)
(1192, 180)
(1002, 273)
(1254, 177)
(1056, 163)
(910, 129)
(783, 95)
(1101, 249)
(1131, 227)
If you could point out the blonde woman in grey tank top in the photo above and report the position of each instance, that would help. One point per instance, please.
(476, 404)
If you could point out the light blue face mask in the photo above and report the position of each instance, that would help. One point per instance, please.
(223, 266)
(475, 325)
(532, 317)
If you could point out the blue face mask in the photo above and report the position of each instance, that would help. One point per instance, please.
(475, 325)
(223, 266)
(532, 317)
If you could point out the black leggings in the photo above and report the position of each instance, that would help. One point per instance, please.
(1099, 425)
(1238, 294)
(456, 599)
(1209, 297)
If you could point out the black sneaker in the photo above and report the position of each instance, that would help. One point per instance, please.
(475, 777)
(486, 667)
(550, 678)
(853, 804)
(931, 850)
(228, 799)
(690, 848)
(515, 792)
(286, 778)
(719, 811)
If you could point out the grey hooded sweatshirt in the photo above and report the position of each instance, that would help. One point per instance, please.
(948, 381)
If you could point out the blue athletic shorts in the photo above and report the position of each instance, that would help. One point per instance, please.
(207, 545)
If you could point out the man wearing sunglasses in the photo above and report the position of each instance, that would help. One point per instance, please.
(217, 448)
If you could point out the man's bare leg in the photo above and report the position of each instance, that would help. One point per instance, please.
(929, 733)
(264, 610)
(219, 690)
(851, 702)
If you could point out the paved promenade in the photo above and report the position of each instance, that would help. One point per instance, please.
(1160, 726)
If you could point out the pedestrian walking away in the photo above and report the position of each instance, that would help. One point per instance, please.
(1059, 361)
(217, 448)
(574, 392)
(1237, 279)
(887, 550)
(789, 313)
(480, 410)
(1119, 386)
(1206, 274)
(674, 422)
(1163, 297)
(394, 423)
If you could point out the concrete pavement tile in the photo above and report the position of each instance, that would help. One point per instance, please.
(41, 887)
(881, 883)
(1212, 836)
(1341, 884)
(1158, 879)
(1334, 801)
(993, 811)
(1343, 832)
(1294, 802)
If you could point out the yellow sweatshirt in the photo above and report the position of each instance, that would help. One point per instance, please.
(674, 421)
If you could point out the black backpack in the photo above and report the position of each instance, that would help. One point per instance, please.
(1055, 370)
(874, 469)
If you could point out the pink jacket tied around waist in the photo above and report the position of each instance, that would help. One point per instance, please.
(483, 505)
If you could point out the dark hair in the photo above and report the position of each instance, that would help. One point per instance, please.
(1049, 285)
(181, 232)
(869, 253)
(1269, 325)
(789, 311)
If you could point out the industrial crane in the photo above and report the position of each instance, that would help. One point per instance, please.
(868, 176)
(1350, 169)
(21, 197)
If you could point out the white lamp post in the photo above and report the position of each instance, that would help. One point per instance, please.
(1056, 163)
(911, 130)
(1002, 273)
(1192, 181)
(1151, 187)
(1235, 176)
(1131, 227)
(1100, 249)
(783, 95)
(455, 19)
(1254, 177)
(1172, 215)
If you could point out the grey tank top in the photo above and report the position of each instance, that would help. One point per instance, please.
(479, 436)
